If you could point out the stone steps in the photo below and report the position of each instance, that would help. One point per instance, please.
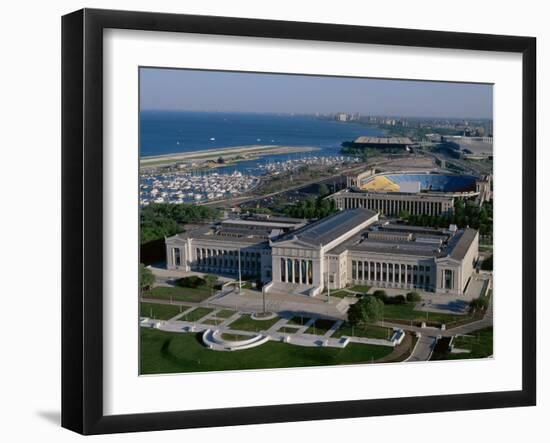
(289, 288)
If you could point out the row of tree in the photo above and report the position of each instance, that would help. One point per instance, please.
(312, 207)
(465, 214)
(147, 279)
(159, 220)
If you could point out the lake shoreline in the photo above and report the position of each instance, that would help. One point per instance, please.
(230, 154)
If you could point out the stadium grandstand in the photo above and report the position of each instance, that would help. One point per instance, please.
(419, 182)
(417, 193)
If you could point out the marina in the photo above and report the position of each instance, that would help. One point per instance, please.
(182, 187)
(177, 186)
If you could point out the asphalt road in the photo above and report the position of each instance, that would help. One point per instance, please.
(423, 349)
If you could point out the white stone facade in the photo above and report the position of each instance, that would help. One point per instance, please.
(333, 252)
(393, 203)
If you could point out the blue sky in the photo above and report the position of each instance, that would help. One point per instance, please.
(195, 90)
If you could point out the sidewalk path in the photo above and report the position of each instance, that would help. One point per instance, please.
(467, 328)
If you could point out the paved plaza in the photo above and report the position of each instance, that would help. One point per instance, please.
(283, 330)
(283, 304)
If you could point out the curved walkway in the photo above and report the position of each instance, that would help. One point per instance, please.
(213, 339)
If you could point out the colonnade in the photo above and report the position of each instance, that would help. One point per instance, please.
(393, 273)
(393, 206)
(227, 260)
(296, 270)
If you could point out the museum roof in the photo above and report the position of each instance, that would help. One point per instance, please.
(330, 228)
(226, 234)
(427, 242)
(261, 223)
(461, 242)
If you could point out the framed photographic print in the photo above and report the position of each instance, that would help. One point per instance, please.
(269, 221)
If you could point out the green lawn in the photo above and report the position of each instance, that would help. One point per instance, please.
(320, 327)
(224, 313)
(166, 352)
(407, 312)
(196, 314)
(359, 288)
(480, 343)
(177, 293)
(371, 331)
(339, 293)
(229, 336)
(299, 320)
(288, 330)
(246, 323)
(160, 312)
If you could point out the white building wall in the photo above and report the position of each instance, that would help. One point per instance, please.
(339, 266)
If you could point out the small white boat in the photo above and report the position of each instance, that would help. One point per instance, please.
(212, 139)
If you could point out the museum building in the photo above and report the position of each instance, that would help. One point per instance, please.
(346, 248)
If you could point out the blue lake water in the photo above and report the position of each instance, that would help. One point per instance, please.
(175, 132)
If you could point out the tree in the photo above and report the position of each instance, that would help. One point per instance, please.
(413, 296)
(146, 278)
(210, 280)
(159, 220)
(193, 281)
(367, 310)
(323, 190)
(258, 210)
(479, 303)
(381, 295)
(487, 263)
(397, 300)
(311, 208)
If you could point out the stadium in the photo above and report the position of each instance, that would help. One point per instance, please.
(419, 182)
(417, 193)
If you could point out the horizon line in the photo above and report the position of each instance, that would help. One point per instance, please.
(317, 114)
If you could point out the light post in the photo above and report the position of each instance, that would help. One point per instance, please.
(263, 300)
(239, 260)
(328, 288)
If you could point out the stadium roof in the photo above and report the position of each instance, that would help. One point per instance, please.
(383, 140)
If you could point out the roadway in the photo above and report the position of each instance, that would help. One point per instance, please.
(249, 198)
(423, 348)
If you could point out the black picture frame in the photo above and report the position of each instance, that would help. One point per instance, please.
(82, 231)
